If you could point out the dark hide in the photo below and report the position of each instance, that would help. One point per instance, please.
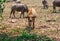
(20, 8)
(14, 0)
(44, 2)
(56, 3)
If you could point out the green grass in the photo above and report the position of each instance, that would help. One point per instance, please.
(25, 36)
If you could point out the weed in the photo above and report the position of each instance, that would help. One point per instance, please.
(25, 36)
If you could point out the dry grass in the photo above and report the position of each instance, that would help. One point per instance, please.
(41, 26)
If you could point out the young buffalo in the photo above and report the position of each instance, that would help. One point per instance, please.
(45, 4)
(31, 17)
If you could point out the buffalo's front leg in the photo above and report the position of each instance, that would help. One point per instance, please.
(29, 22)
(46, 6)
(54, 7)
(22, 13)
(33, 23)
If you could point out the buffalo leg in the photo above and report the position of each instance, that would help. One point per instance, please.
(29, 22)
(33, 23)
(14, 14)
(44, 6)
(54, 7)
(22, 13)
(47, 6)
(10, 14)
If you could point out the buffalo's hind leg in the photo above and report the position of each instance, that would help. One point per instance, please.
(23, 14)
(12, 12)
(20, 15)
(33, 23)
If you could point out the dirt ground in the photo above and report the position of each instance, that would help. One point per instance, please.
(42, 26)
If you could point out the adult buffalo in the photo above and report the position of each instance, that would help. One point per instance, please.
(56, 3)
(45, 4)
(20, 8)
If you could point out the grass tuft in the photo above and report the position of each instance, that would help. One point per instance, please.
(25, 36)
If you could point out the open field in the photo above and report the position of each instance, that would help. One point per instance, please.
(42, 26)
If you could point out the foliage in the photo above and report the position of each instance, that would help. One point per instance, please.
(1, 4)
(3, 1)
(25, 36)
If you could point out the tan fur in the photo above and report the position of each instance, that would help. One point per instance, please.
(31, 17)
(32, 12)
